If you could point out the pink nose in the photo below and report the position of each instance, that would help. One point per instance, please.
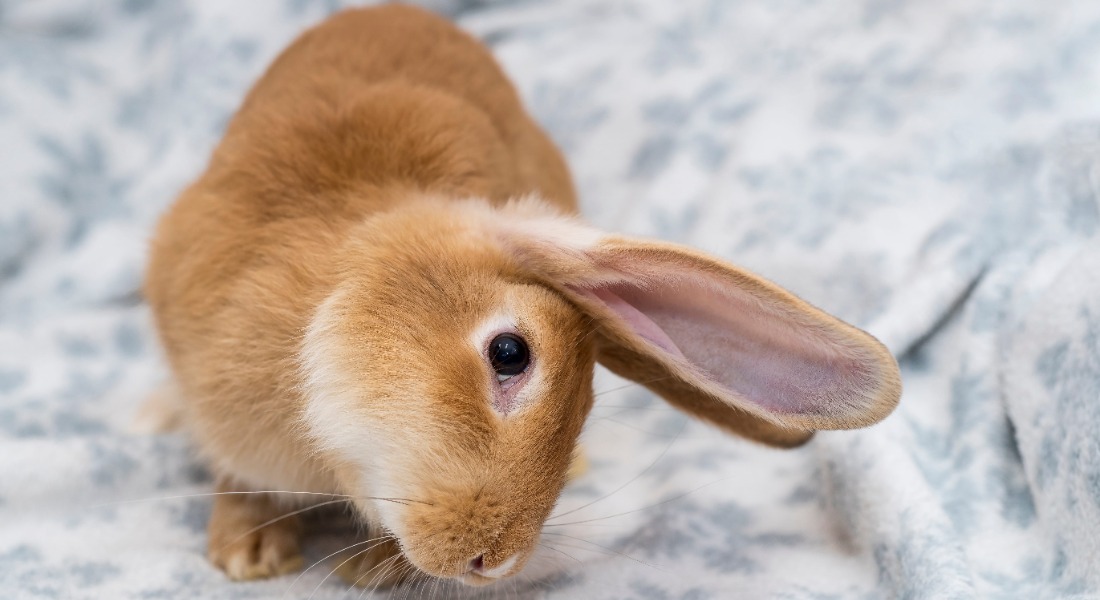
(477, 566)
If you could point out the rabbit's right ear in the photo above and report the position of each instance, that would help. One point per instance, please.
(713, 340)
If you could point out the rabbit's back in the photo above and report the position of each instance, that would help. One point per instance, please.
(393, 95)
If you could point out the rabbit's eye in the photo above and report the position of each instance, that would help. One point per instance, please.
(509, 355)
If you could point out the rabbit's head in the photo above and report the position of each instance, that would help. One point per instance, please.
(449, 372)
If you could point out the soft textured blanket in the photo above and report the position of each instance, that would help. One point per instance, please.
(927, 170)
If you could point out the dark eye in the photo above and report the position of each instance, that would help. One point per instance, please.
(508, 354)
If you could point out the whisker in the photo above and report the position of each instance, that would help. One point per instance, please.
(363, 575)
(673, 499)
(279, 518)
(433, 587)
(563, 553)
(419, 584)
(436, 584)
(585, 549)
(630, 426)
(398, 574)
(385, 565)
(444, 586)
(405, 586)
(632, 384)
(683, 425)
(626, 407)
(356, 581)
(407, 570)
(588, 334)
(425, 582)
(622, 554)
(574, 523)
(309, 568)
(531, 581)
(236, 493)
(380, 540)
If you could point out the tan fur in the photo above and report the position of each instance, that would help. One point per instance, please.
(319, 289)
(249, 540)
(356, 115)
(508, 473)
(374, 563)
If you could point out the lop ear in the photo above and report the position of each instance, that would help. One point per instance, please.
(715, 341)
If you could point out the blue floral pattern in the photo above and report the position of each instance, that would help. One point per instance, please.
(928, 170)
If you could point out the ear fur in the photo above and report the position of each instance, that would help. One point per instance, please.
(714, 340)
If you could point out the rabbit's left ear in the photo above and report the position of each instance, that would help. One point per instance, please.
(713, 340)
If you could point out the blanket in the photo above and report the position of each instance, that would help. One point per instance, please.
(929, 171)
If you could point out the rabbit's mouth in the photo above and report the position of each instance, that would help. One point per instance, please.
(475, 580)
(490, 563)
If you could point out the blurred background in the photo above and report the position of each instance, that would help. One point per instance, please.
(928, 170)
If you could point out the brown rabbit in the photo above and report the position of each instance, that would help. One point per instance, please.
(378, 289)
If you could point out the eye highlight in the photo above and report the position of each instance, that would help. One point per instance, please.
(509, 356)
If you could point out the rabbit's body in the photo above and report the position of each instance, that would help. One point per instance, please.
(333, 293)
(361, 113)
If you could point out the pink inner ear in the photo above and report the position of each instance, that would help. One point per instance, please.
(637, 320)
(771, 356)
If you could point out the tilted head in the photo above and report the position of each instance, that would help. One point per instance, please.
(450, 368)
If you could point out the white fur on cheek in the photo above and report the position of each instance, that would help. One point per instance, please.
(334, 415)
(328, 388)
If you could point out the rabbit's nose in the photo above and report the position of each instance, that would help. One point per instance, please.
(477, 566)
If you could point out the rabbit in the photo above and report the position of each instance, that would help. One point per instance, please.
(380, 289)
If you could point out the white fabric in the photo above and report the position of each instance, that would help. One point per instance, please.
(926, 170)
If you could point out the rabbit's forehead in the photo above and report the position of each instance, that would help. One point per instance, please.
(517, 308)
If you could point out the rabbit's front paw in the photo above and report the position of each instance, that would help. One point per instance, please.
(248, 539)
